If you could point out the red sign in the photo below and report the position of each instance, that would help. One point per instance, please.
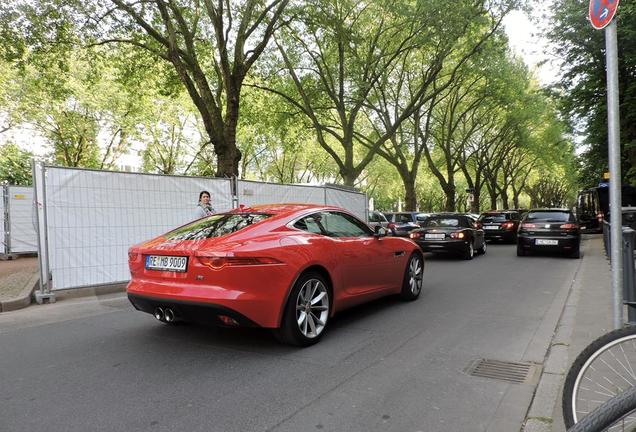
(602, 12)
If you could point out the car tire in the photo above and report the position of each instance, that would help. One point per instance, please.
(413, 277)
(469, 253)
(521, 251)
(482, 250)
(312, 293)
(576, 254)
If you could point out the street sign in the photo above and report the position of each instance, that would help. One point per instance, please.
(602, 12)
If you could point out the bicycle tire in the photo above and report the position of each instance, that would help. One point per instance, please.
(613, 415)
(600, 354)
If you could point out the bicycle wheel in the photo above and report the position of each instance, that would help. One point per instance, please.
(615, 415)
(606, 368)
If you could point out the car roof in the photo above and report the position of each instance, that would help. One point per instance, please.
(552, 209)
(284, 208)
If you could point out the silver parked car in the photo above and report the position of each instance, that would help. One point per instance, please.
(376, 218)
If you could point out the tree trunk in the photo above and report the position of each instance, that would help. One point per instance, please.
(449, 192)
(504, 198)
(410, 198)
(474, 205)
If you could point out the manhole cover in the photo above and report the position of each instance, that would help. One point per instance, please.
(526, 373)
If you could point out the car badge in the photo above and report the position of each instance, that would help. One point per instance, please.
(199, 277)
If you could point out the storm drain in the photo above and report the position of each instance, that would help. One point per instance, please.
(519, 373)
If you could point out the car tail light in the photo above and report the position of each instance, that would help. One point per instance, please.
(132, 256)
(599, 216)
(569, 226)
(528, 225)
(478, 225)
(507, 225)
(415, 235)
(217, 263)
(457, 235)
(391, 226)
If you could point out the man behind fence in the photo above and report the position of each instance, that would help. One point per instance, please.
(204, 208)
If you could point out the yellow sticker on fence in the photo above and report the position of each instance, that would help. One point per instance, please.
(19, 196)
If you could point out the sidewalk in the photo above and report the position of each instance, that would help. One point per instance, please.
(18, 277)
(586, 315)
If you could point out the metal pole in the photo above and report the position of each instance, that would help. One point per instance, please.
(615, 171)
(35, 173)
(7, 222)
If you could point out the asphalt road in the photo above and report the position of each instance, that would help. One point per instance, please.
(99, 365)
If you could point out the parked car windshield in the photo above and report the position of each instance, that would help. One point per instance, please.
(216, 226)
(441, 222)
(495, 217)
(403, 217)
(549, 216)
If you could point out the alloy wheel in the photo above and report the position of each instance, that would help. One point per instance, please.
(415, 275)
(312, 308)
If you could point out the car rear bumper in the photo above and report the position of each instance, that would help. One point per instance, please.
(260, 305)
(440, 246)
(566, 243)
(499, 235)
(206, 313)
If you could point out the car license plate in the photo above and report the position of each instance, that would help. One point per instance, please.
(546, 242)
(434, 236)
(491, 227)
(166, 263)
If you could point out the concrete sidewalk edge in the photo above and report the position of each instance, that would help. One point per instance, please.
(23, 299)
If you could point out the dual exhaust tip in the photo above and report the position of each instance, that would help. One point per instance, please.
(166, 315)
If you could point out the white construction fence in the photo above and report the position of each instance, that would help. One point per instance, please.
(87, 219)
(17, 221)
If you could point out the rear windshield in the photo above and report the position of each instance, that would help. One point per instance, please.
(441, 222)
(496, 217)
(550, 216)
(216, 226)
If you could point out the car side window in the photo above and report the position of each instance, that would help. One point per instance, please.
(311, 223)
(343, 225)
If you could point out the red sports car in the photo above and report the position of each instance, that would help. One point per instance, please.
(288, 267)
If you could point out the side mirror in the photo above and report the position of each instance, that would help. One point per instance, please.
(380, 231)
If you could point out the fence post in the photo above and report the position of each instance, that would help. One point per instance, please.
(43, 294)
(6, 229)
(629, 289)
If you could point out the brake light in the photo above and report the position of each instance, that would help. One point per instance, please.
(599, 216)
(132, 256)
(457, 235)
(507, 225)
(217, 263)
(528, 225)
(569, 226)
(415, 235)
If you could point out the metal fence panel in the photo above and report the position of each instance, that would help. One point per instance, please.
(254, 193)
(21, 220)
(93, 217)
(355, 202)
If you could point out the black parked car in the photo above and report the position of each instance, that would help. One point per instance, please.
(402, 223)
(450, 233)
(549, 230)
(500, 225)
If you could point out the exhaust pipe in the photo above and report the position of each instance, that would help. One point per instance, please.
(159, 314)
(169, 315)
